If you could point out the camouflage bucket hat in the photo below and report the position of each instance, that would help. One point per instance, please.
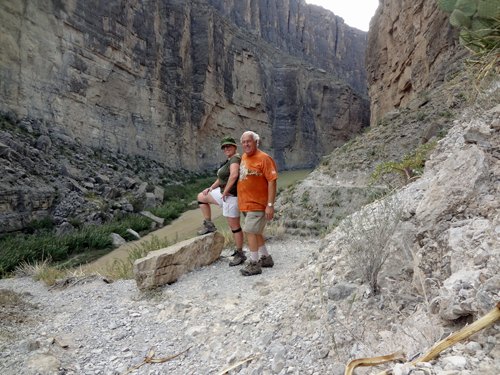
(228, 141)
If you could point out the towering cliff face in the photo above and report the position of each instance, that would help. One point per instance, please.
(411, 47)
(305, 31)
(167, 79)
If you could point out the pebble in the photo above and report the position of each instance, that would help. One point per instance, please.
(456, 361)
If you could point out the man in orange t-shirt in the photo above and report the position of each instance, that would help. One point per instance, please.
(256, 194)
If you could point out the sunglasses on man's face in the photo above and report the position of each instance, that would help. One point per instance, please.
(226, 146)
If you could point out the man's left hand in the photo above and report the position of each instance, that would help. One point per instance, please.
(269, 213)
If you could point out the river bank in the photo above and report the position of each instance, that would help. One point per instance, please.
(187, 225)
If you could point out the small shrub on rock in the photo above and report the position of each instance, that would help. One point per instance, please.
(367, 235)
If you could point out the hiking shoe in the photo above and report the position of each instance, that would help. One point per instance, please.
(238, 258)
(208, 227)
(253, 268)
(266, 261)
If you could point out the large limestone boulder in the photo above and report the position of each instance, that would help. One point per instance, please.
(164, 266)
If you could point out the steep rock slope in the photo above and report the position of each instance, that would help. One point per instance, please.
(411, 48)
(166, 80)
(342, 182)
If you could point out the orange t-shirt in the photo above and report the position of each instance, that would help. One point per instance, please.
(255, 172)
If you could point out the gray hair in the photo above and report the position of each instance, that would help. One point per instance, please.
(255, 136)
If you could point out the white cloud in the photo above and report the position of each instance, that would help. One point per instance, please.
(356, 13)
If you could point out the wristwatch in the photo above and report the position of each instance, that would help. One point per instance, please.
(270, 204)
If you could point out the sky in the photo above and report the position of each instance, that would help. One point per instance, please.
(356, 13)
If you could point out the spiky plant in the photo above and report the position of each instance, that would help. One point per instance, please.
(478, 20)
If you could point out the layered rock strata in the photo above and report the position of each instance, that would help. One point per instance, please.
(166, 80)
(308, 32)
(411, 48)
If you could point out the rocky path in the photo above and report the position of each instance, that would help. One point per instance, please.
(219, 315)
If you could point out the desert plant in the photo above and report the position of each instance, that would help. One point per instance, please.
(40, 270)
(479, 24)
(478, 20)
(49, 273)
(421, 116)
(367, 235)
(138, 203)
(305, 197)
(410, 167)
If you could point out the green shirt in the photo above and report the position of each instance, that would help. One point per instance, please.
(224, 172)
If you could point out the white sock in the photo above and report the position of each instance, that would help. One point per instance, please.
(263, 250)
(254, 255)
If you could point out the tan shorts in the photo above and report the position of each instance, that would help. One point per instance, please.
(255, 222)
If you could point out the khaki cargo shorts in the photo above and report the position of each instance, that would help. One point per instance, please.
(255, 222)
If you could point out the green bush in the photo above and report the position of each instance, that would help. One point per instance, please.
(410, 167)
(88, 238)
(29, 249)
(170, 210)
(190, 190)
(43, 224)
(42, 244)
(421, 116)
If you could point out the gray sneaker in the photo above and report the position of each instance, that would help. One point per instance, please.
(238, 258)
(253, 268)
(266, 261)
(208, 227)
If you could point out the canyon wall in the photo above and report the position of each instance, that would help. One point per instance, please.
(167, 79)
(411, 48)
(308, 32)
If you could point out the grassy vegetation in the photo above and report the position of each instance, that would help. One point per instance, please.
(123, 269)
(50, 273)
(177, 198)
(45, 244)
(88, 243)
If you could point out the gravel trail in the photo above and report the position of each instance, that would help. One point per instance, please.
(219, 315)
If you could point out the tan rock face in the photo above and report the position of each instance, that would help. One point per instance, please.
(164, 266)
(411, 48)
(168, 79)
